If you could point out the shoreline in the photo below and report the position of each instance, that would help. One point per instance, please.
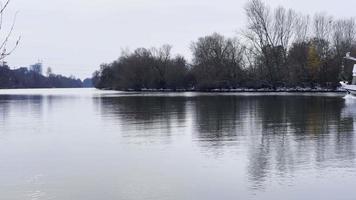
(241, 90)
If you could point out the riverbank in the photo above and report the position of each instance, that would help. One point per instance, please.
(242, 90)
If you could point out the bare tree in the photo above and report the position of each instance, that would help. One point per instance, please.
(266, 28)
(259, 24)
(343, 38)
(284, 23)
(163, 56)
(301, 28)
(280, 48)
(218, 61)
(270, 35)
(323, 26)
(344, 32)
(4, 50)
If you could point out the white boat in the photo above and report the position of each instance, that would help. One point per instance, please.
(350, 88)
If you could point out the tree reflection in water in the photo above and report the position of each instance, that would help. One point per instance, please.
(25, 104)
(280, 134)
(146, 116)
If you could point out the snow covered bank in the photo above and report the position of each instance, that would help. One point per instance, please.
(282, 89)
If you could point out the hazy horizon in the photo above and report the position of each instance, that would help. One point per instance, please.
(75, 37)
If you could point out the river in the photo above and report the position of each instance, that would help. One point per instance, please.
(86, 144)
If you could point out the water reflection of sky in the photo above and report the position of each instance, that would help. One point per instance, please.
(176, 146)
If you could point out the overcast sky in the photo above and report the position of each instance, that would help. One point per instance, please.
(75, 36)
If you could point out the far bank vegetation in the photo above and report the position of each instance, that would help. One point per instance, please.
(278, 48)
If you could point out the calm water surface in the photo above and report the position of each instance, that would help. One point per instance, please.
(83, 144)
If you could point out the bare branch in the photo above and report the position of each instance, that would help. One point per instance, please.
(3, 50)
(5, 6)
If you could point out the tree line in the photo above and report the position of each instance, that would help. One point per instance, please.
(278, 48)
(32, 78)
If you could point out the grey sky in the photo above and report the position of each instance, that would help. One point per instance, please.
(76, 36)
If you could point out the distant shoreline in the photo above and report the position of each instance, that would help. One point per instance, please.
(241, 90)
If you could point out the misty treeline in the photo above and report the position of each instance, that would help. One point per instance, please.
(33, 78)
(277, 48)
